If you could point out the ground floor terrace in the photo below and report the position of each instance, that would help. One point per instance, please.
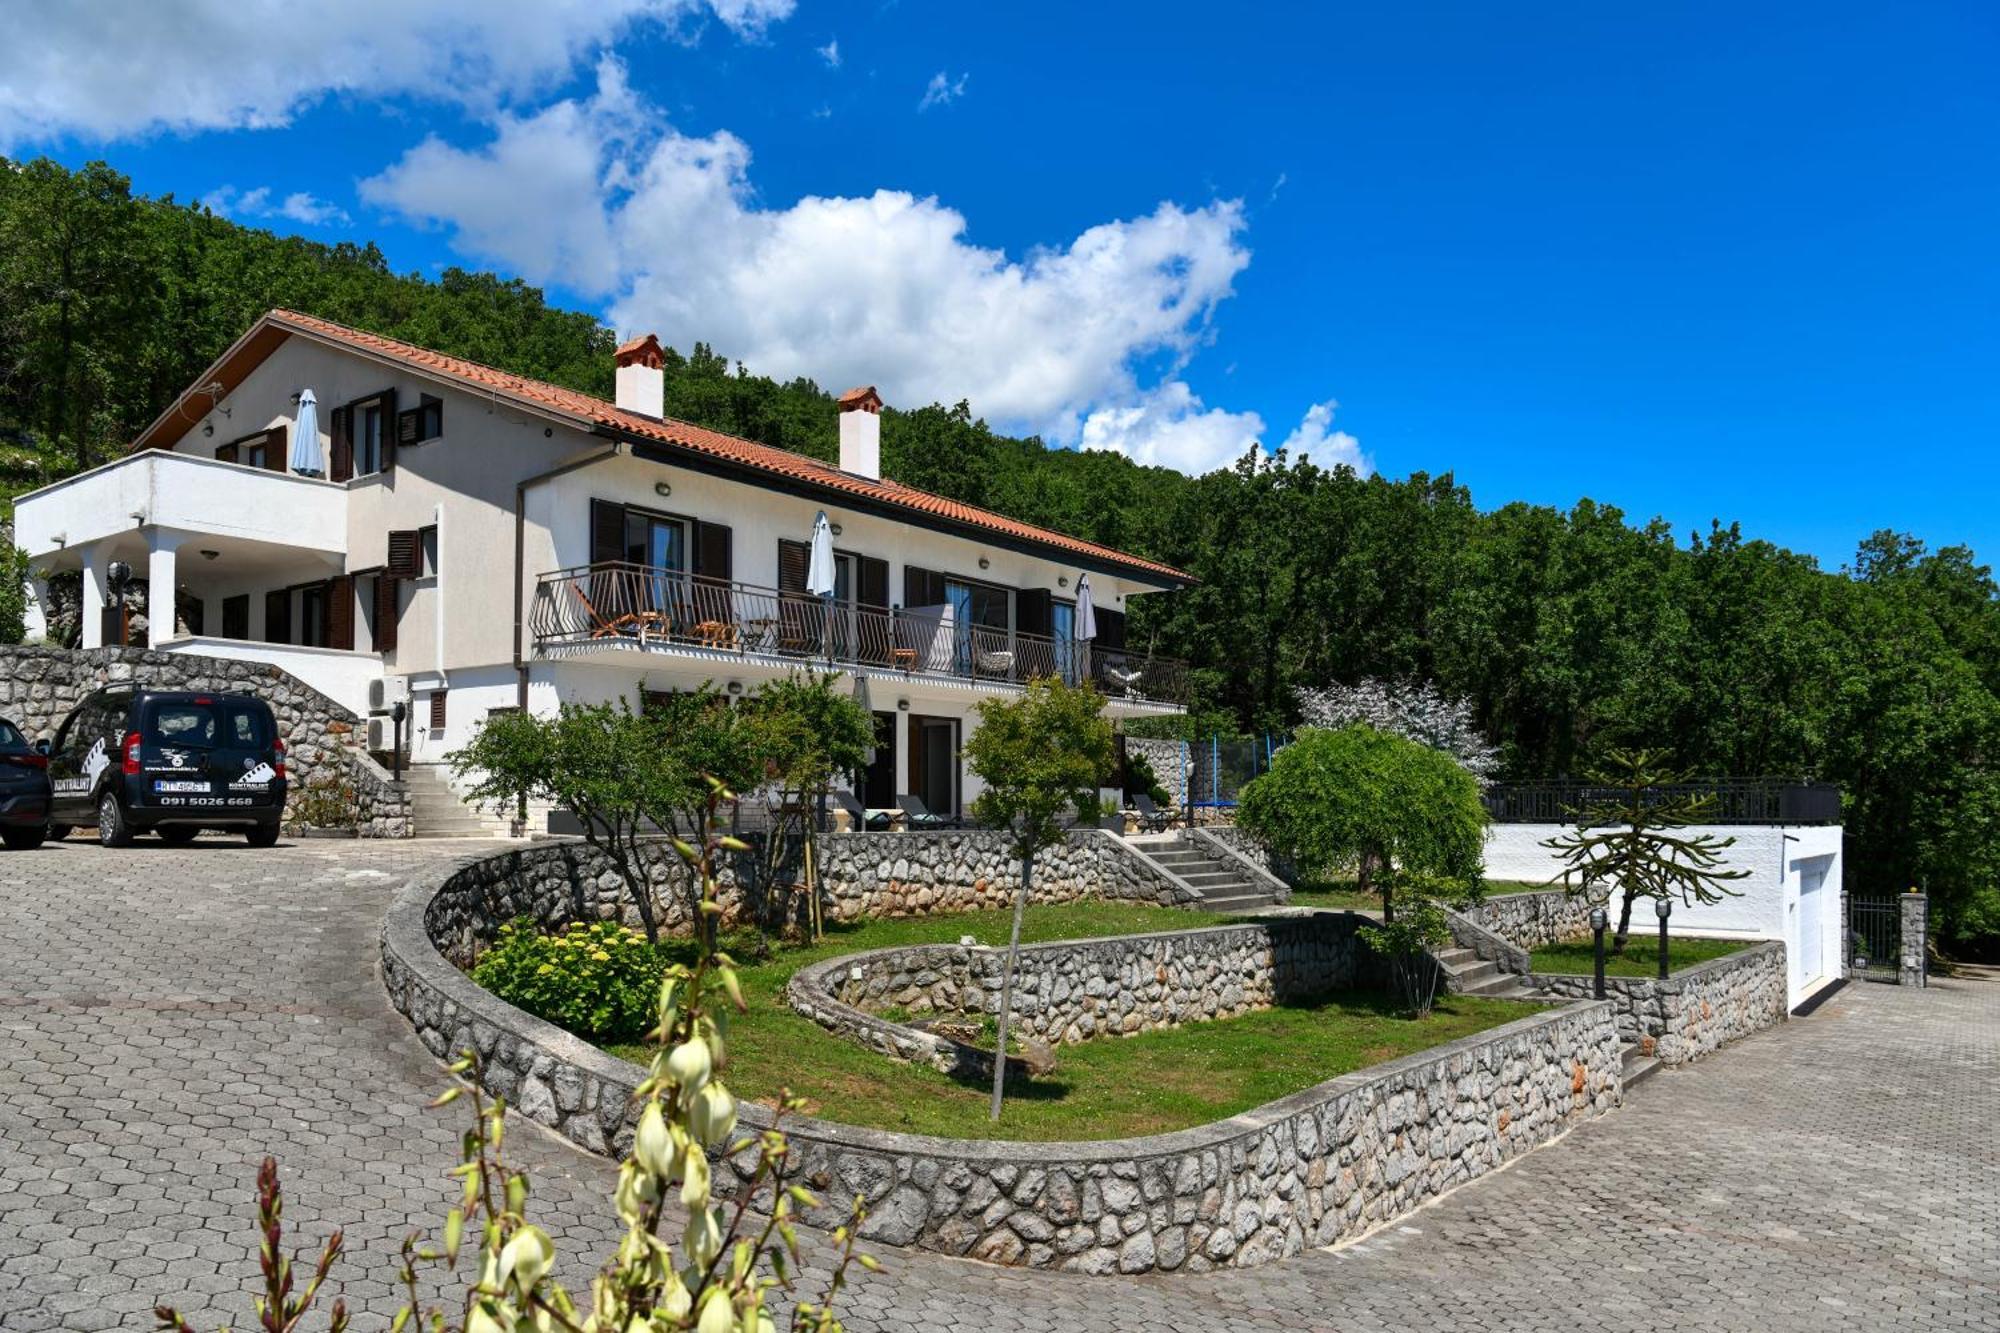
(174, 1014)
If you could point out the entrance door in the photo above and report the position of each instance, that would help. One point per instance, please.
(878, 780)
(934, 763)
(1812, 923)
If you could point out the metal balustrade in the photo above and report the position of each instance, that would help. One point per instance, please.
(645, 608)
(1730, 801)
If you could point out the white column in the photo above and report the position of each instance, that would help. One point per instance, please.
(94, 596)
(161, 568)
(902, 757)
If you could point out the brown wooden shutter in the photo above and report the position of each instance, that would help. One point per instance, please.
(388, 611)
(405, 554)
(794, 562)
(437, 710)
(922, 587)
(409, 425)
(872, 574)
(713, 557)
(388, 401)
(1110, 628)
(340, 612)
(340, 454)
(607, 532)
(1032, 612)
(226, 453)
(276, 455)
(278, 616)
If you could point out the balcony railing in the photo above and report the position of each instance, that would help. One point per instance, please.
(631, 605)
(1731, 801)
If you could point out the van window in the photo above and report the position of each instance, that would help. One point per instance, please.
(241, 726)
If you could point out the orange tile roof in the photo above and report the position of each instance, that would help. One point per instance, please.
(696, 439)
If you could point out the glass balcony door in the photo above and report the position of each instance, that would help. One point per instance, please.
(660, 546)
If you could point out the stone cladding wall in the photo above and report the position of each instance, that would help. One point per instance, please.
(1322, 1165)
(1694, 1011)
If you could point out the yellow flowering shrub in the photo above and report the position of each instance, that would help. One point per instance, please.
(598, 979)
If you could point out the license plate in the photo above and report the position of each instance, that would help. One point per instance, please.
(165, 784)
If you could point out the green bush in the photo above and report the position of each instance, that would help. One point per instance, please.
(600, 980)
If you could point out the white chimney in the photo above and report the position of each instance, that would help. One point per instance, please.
(642, 379)
(861, 432)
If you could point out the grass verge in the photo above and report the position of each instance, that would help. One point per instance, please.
(1340, 895)
(1105, 1089)
(1576, 957)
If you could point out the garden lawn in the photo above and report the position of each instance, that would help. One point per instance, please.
(1640, 959)
(1340, 895)
(1104, 1089)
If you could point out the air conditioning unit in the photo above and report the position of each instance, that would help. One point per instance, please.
(381, 734)
(386, 692)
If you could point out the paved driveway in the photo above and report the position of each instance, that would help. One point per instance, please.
(167, 1016)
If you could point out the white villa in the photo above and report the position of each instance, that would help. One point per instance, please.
(480, 541)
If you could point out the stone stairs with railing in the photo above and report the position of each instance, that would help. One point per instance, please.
(1223, 884)
(1469, 974)
(436, 811)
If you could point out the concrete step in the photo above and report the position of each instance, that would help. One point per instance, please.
(1638, 1066)
(1238, 903)
(1502, 986)
(1454, 957)
(1467, 975)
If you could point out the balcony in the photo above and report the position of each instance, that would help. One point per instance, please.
(198, 496)
(629, 607)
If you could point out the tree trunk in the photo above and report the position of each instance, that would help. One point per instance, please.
(1624, 924)
(1007, 983)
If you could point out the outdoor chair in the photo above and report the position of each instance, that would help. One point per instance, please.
(1151, 818)
(917, 815)
(857, 814)
(601, 625)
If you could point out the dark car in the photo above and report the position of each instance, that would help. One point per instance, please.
(173, 762)
(24, 790)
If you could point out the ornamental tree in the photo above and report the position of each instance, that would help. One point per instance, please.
(1371, 800)
(1415, 710)
(1627, 840)
(1041, 756)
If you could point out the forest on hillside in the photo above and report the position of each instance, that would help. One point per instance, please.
(1570, 631)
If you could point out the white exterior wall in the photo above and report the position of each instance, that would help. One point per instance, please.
(1766, 905)
(340, 675)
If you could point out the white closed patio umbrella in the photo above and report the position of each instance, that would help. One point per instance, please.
(820, 578)
(1086, 624)
(307, 460)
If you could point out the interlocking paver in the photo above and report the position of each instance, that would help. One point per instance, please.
(167, 1016)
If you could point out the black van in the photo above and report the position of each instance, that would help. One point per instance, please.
(174, 762)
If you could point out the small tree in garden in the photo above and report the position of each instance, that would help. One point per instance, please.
(1418, 927)
(1417, 711)
(598, 760)
(1041, 756)
(803, 735)
(1628, 840)
(1372, 800)
(728, 1266)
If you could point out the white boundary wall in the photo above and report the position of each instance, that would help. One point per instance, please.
(1781, 859)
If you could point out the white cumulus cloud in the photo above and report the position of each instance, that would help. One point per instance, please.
(1169, 427)
(118, 68)
(830, 53)
(1315, 437)
(298, 206)
(881, 289)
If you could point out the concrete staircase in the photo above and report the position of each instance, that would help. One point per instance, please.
(1638, 1066)
(436, 811)
(1224, 885)
(1470, 974)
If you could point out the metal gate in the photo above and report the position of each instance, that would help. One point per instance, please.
(1875, 934)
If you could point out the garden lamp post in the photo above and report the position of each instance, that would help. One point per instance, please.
(1663, 906)
(1599, 918)
(397, 714)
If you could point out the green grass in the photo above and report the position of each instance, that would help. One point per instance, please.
(1110, 1088)
(1640, 959)
(1340, 894)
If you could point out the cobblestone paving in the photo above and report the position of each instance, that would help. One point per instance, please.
(167, 1016)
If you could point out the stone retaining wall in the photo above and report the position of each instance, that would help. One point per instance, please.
(1529, 920)
(1072, 990)
(1694, 1011)
(1325, 1164)
(39, 686)
(383, 807)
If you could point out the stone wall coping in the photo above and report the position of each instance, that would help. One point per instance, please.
(406, 940)
(1687, 976)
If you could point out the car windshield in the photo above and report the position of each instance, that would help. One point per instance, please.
(11, 738)
(205, 724)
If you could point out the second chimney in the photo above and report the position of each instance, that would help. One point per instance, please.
(861, 432)
(642, 378)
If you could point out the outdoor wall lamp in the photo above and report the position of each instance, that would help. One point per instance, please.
(736, 687)
(1665, 907)
(208, 428)
(834, 528)
(663, 489)
(984, 563)
(902, 705)
(1062, 580)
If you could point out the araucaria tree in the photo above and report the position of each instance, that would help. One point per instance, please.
(1041, 756)
(1373, 801)
(1629, 841)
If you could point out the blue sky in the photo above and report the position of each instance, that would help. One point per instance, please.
(1699, 261)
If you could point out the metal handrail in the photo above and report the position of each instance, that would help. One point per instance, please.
(1733, 800)
(643, 606)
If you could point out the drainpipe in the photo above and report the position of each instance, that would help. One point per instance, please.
(520, 556)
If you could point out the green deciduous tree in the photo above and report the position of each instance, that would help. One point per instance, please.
(1042, 756)
(1387, 806)
(1629, 841)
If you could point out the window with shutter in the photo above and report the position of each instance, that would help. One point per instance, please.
(873, 577)
(226, 453)
(405, 554)
(1033, 613)
(1110, 629)
(607, 532)
(437, 710)
(387, 402)
(276, 452)
(340, 453)
(388, 610)
(340, 613)
(799, 618)
(278, 616)
(922, 587)
(236, 616)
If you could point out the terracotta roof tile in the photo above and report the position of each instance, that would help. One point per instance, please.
(697, 439)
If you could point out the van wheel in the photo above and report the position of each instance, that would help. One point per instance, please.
(266, 836)
(23, 839)
(112, 830)
(177, 835)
